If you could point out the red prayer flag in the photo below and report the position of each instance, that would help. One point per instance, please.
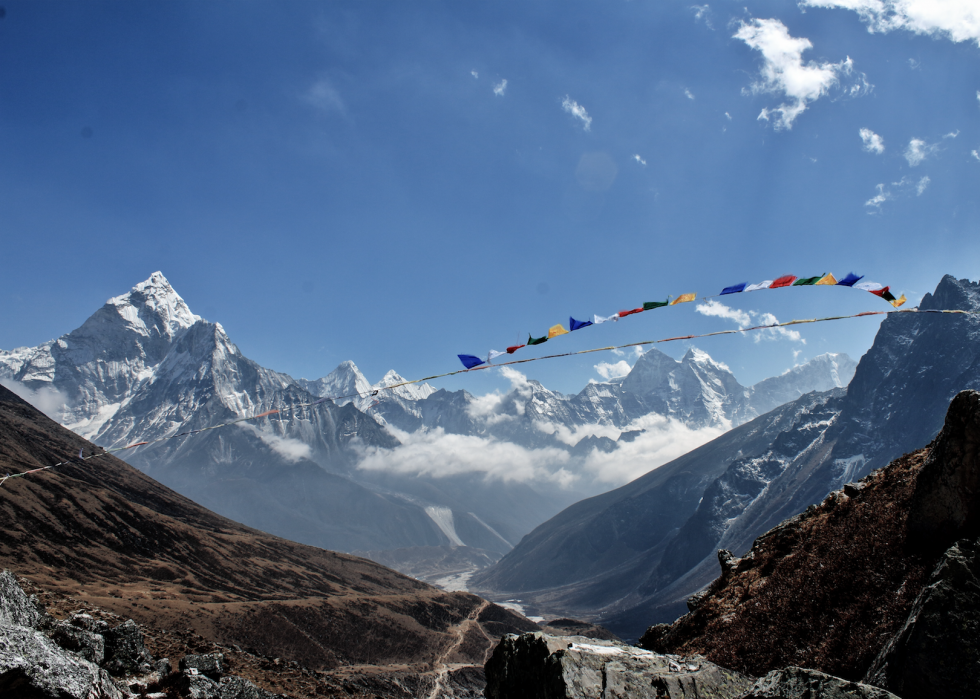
(880, 292)
(783, 281)
(629, 313)
(514, 348)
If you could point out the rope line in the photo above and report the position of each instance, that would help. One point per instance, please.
(282, 411)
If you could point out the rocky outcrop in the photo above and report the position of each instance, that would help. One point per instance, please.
(535, 665)
(209, 664)
(801, 683)
(939, 645)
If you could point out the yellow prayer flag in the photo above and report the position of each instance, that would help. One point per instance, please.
(827, 281)
(898, 302)
(683, 298)
(556, 330)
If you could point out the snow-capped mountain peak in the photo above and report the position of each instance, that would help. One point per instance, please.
(153, 304)
(413, 391)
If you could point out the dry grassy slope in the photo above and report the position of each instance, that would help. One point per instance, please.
(824, 590)
(107, 534)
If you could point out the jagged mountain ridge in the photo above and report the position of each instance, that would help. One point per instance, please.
(895, 402)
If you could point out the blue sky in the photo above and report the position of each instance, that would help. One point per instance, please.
(396, 183)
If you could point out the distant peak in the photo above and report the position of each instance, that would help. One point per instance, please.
(157, 297)
(699, 356)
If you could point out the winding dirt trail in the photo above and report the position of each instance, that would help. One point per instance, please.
(461, 631)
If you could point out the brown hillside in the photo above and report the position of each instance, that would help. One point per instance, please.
(107, 535)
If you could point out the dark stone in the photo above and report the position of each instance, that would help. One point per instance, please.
(803, 683)
(16, 608)
(535, 665)
(199, 687)
(852, 489)
(209, 664)
(233, 687)
(125, 653)
(86, 622)
(163, 667)
(937, 651)
(86, 644)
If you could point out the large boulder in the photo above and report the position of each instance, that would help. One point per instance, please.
(31, 665)
(937, 651)
(539, 666)
(234, 687)
(802, 683)
(209, 664)
(125, 653)
(88, 645)
(16, 608)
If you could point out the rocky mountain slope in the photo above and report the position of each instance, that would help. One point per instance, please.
(879, 581)
(107, 535)
(726, 493)
(144, 367)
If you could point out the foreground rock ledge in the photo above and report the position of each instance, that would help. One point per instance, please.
(539, 666)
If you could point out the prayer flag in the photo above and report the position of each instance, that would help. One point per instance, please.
(650, 305)
(514, 348)
(493, 355)
(868, 286)
(782, 281)
(536, 340)
(850, 280)
(737, 288)
(761, 285)
(556, 330)
(623, 314)
(683, 298)
(600, 319)
(808, 281)
(469, 361)
(829, 280)
(899, 301)
(880, 292)
(578, 324)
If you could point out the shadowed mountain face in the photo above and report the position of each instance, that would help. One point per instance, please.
(632, 556)
(105, 533)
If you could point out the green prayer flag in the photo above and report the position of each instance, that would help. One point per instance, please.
(650, 305)
(536, 340)
(810, 281)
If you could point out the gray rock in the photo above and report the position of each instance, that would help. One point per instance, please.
(937, 651)
(199, 687)
(803, 683)
(125, 653)
(16, 608)
(535, 665)
(163, 667)
(88, 645)
(31, 665)
(233, 687)
(209, 664)
(87, 622)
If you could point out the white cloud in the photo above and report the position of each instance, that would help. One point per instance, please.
(921, 187)
(914, 64)
(663, 440)
(957, 20)
(903, 188)
(637, 158)
(701, 12)
(776, 333)
(952, 134)
(474, 74)
(918, 150)
(577, 111)
(688, 94)
(729, 116)
(785, 72)
(439, 454)
(612, 371)
(978, 95)
(325, 97)
(500, 88)
(975, 154)
(880, 198)
(288, 448)
(48, 399)
(873, 143)
(720, 310)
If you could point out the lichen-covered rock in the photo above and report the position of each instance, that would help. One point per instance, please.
(535, 665)
(86, 644)
(802, 683)
(16, 608)
(233, 687)
(31, 665)
(87, 622)
(125, 653)
(209, 664)
(937, 651)
(199, 687)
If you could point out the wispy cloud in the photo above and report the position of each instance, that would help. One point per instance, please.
(612, 371)
(324, 96)
(47, 399)
(873, 143)
(918, 150)
(921, 186)
(688, 94)
(474, 74)
(637, 158)
(702, 13)
(975, 154)
(784, 72)
(728, 116)
(500, 88)
(957, 20)
(745, 319)
(290, 449)
(952, 134)
(903, 188)
(578, 111)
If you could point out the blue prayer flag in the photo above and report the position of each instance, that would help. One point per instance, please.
(850, 280)
(734, 289)
(578, 324)
(469, 361)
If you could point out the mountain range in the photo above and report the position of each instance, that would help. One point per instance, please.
(345, 474)
(632, 556)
